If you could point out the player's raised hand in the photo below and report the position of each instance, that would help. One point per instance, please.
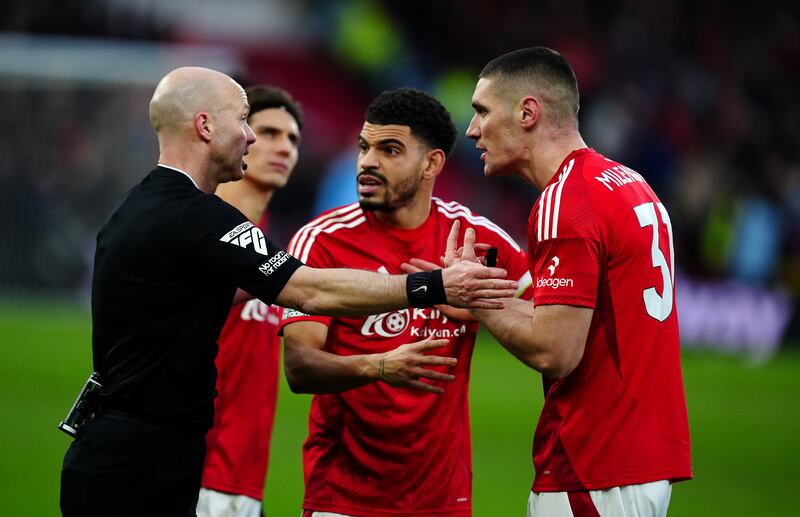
(469, 284)
(452, 252)
(407, 364)
(468, 250)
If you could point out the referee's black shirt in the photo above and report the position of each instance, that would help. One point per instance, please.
(168, 262)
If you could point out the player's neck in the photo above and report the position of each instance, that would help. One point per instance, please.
(549, 156)
(245, 197)
(408, 217)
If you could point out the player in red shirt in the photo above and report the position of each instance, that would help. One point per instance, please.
(247, 362)
(389, 424)
(613, 434)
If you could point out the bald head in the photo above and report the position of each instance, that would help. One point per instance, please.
(183, 93)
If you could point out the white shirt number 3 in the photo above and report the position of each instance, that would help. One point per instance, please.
(659, 306)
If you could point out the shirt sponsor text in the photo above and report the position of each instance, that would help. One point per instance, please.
(554, 283)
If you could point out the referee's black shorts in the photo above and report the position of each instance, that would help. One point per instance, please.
(123, 466)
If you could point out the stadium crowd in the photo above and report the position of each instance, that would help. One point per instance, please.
(697, 97)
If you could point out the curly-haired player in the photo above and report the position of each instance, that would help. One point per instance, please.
(389, 424)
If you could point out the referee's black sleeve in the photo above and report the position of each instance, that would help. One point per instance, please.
(226, 243)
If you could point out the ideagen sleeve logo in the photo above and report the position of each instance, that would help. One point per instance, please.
(554, 282)
(555, 262)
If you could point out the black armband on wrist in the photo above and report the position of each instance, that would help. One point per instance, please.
(425, 289)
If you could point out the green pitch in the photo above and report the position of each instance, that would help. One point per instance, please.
(745, 424)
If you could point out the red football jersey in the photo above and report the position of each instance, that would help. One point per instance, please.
(600, 238)
(244, 410)
(377, 449)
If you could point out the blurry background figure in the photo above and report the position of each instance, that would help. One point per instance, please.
(248, 360)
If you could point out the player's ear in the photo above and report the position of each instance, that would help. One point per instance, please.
(529, 112)
(433, 163)
(202, 126)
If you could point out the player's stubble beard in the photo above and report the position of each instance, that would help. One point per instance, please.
(394, 197)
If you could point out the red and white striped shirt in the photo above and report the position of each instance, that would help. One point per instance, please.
(380, 450)
(600, 238)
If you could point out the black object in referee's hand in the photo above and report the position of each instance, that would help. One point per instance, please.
(491, 257)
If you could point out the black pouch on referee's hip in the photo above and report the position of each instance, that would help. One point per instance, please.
(85, 407)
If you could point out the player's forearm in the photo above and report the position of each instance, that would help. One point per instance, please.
(513, 329)
(550, 339)
(310, 370)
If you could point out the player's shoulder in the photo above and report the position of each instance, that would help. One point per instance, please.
(577, 170)
(600, 175)
(329, 226)
(566, 206)
(582, 196)
(582, 177)
(483, 226)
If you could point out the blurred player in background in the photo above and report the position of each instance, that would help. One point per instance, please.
(237, 446)
(613, 434)
(389, 424)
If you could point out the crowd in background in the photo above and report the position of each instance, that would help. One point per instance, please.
(699, 97)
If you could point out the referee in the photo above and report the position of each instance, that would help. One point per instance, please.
(168, 263)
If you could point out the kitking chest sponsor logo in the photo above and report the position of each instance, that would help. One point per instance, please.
(395, 323)
(388, 324)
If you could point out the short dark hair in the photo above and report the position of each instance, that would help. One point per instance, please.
(538, 66)
(428, 119)
(262, 97)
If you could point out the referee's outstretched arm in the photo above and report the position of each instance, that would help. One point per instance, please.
(349, 291)
(466, 284)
